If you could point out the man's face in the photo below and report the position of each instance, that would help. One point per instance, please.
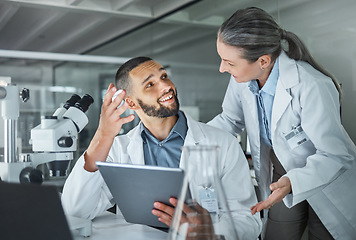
(154, 91)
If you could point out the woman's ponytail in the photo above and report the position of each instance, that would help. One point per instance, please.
(298, 51)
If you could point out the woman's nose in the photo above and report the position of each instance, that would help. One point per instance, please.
(222, 67)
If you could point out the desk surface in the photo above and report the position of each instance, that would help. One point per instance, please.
(110, 226)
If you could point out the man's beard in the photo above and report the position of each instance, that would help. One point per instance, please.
(161, 111)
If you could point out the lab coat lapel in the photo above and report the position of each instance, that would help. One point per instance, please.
(281, 101)
(194, 136)
(252, 106)
(252, 126)
(288, 77)
(135, 147)
(194, 133)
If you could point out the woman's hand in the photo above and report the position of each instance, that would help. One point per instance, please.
(198, 218)
(280, 189)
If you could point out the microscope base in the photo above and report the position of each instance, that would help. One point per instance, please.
(10, 172)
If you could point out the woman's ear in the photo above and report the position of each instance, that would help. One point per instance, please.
(264, 61)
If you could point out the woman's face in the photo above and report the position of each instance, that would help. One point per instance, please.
(233, 62)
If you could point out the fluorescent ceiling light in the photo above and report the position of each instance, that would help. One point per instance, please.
(61, 57)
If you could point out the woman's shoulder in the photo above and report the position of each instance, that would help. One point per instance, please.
(308, 74)
(312, 82)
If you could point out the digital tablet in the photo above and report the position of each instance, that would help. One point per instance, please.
(136, 187)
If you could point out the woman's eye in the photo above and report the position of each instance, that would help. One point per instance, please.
(164, 76)
(149, 85)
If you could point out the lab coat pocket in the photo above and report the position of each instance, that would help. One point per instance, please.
(341, 192)
(296, 137)
(299, 145)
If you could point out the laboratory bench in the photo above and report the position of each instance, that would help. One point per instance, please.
(113, 226)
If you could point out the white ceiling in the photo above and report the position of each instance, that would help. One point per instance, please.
(74, 26)
(158, 28)
(78, 26)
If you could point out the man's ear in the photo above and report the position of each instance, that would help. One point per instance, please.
(264, 61)
(132, 104)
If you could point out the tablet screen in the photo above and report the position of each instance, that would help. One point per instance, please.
(136, 187)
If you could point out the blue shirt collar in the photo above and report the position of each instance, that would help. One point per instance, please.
(179, 128)
(271, 83)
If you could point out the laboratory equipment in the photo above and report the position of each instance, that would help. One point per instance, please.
(207, 214)
(53, 141)
(10, 102)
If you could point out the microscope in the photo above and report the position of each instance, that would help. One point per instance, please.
(53, 141)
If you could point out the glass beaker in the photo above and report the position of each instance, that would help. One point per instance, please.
(202, 210)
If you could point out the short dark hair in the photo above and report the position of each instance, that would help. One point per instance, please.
(122, 74)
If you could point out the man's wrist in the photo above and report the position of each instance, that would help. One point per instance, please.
(88, 165)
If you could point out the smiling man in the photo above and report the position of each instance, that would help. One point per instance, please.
(157, 140)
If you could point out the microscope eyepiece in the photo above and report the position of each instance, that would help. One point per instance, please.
(70, 102)
(2, 92)
(84, 103)
(25, 94)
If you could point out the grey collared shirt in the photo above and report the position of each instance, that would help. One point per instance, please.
(165, 153)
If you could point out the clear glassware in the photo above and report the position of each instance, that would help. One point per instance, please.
(202, 210)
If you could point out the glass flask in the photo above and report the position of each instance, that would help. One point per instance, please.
(202, 210)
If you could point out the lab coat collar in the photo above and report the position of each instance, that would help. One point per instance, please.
(135, 147)
(194, 134)
(288, 72)
(179, 128)
(288, 78)
(252, 102)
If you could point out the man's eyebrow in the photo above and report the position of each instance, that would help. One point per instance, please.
(151, 75)
(148, 78)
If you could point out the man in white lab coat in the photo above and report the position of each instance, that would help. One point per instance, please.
(162, 132)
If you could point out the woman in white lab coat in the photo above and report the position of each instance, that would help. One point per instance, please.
(290, 108)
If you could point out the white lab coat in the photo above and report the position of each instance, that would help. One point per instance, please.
(321, 170)
(86, 195)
